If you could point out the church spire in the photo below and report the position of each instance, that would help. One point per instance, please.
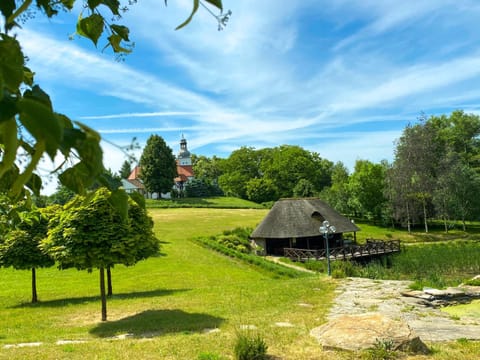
(184, 155)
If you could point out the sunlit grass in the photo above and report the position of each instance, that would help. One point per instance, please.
(169, 304)
(220, 202)
(176, 306)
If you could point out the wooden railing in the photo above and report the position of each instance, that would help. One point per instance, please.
(370, 248)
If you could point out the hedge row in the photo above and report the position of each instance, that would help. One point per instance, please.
(256, 261)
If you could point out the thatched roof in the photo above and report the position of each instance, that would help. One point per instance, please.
(295, 218)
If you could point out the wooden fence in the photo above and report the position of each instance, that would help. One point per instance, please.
(370, 248)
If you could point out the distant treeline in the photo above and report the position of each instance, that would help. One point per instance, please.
(434, 174)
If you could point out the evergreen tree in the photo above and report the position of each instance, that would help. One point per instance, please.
(125, 170)
(158, 166)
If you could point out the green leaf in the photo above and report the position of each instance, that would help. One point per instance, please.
(7, 7)
(113, 5)
(38, 94)
(114, 40)
(92, 4)
(119, 200)
(47, 7)
(68, 3)
(39, 119)
(196, 4)
(121, 30)
(76, 178)
(90, 27)
(138, 198)
(89, 131)
(8, 137)
(8, 107)
(71, 137)
(217, 3)
(34, 184)
(28, 76)
(11, 63)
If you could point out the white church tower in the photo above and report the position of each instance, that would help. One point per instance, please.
(184, 157)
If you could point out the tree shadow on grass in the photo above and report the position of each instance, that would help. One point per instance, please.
(157, 322)
(87, 299)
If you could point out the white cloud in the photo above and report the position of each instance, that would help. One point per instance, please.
(307, 72)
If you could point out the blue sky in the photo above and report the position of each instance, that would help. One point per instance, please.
(341, 78)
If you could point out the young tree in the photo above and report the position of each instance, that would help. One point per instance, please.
(125, 170)
(91, 234)
(20, 248)
(158, 166)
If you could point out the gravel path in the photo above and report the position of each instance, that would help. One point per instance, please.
(359, 295)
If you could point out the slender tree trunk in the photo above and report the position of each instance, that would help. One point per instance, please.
(425, 215)
(445, 216)
(34, 286)
(464, 224)
(102, 294)
(408, 219)
(109, 282)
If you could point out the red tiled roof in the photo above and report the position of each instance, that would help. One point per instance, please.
(185, 170)
(134, 174)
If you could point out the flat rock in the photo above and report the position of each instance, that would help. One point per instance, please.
(449, 292)
(355, 295)
(364, 331)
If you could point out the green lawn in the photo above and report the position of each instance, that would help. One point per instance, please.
(168, 303)
(220, 202)
(187, 302)
(418, 235)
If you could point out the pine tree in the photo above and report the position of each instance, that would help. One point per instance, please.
(125, 170)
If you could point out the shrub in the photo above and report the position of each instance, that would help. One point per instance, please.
(259, 262)
(382, 350)
(250, 347)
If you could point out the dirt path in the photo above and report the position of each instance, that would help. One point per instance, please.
(359, 295)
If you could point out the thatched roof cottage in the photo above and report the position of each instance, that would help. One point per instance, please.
(295, 223)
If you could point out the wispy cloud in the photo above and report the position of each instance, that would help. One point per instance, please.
(138, 115)
(341, 78)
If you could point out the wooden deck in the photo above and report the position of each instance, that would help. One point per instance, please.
(371, 248)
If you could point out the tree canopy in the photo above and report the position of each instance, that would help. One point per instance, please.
(434, 158)
(91, 234)
(20, 247)
(158, 166)
(271, 173)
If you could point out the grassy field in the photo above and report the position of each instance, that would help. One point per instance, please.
(168, 303)
(188, 302)
(219, 202)
(418, 235)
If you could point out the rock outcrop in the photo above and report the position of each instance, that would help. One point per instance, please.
(463, 294)
(360, 332)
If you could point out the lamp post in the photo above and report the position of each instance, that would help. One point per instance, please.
(326, 229)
